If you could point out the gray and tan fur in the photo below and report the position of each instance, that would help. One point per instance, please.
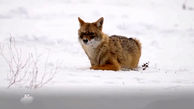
(108, 53)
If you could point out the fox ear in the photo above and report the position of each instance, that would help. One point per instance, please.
(99, 23)
(81, 21)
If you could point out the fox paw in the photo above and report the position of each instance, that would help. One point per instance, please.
(94, 68)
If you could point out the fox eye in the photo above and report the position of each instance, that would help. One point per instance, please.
(92, 36)
(91, 33)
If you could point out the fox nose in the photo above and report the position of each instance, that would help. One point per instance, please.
(85, 41)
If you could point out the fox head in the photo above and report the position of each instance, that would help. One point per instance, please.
(90, 33)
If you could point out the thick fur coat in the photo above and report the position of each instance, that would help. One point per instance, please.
(108, 53)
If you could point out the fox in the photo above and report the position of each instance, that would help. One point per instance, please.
(108, 52)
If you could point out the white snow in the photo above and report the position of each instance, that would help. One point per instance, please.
(27, 99)
(165, 30)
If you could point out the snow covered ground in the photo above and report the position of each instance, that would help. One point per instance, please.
(165, 30)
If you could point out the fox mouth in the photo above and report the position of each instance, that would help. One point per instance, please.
(88, 42)
(92, 43)
(85, 41)
(89, 39)
(87, 36)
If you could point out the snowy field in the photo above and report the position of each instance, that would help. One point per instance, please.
(48, 28)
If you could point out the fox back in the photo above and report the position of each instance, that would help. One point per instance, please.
(108, 53)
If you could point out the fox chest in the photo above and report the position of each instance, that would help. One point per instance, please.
(90, 51)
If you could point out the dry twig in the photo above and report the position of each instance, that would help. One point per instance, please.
(26, 67)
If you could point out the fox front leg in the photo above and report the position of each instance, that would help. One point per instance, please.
(106, 67)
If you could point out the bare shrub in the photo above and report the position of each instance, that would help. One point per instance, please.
(41, 72)
(26, 68)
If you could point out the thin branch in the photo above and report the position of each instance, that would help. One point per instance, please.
(26, 67)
